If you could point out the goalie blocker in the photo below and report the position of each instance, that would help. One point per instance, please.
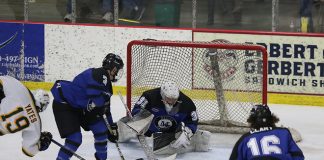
(130, 127)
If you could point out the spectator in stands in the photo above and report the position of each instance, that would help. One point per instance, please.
(306, 18)
(235, 10)
(132, 9)
(167, 13)
(106, 9)
(319, 14)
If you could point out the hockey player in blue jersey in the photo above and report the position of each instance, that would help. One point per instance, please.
(265, 140)
(175, 118)
(83, 102)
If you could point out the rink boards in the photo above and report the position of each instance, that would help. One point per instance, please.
(295, 60)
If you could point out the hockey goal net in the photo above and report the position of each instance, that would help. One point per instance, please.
(225, 80)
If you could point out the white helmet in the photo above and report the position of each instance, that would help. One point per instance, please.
(41, 99)
(170, 90)
(170, 94)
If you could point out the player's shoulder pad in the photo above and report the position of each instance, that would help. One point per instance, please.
(282, 128)
(153, 91)
(100, 75)
(188, 104)
(153, 94)
(243, 137)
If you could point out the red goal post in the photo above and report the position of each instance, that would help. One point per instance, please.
(225, 80)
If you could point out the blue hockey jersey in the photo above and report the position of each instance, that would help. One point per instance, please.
(92, 86)
(267, 143)
(183, 111)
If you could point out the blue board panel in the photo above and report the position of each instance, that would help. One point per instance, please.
(17, 39)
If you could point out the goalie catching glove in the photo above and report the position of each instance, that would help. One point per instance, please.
(113, 133)
(183, 137)
(45, 140)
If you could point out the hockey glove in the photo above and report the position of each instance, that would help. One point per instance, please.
(113, 133)
(184, 137)
(99, 110)
(45, 140)
(90, 106)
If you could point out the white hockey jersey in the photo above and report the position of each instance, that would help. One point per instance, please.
(18, 113)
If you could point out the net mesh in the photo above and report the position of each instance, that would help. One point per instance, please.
(224, 80)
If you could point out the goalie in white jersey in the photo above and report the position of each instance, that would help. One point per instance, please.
(19, 112)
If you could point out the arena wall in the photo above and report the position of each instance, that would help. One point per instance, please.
(295, 74)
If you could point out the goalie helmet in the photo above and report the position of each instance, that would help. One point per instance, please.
(170, 94)
(261, 116)
(170, 90)
(41, 99)
(110, 62)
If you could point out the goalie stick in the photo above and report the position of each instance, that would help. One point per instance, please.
(117, 145)
(141, 138)
(60, 145)
(147, 149)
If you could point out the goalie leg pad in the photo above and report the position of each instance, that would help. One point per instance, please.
(295, 134)
(165, 150)
(170, 150)
(161, 140)
(201, 141)
(162, 144)
(125, 133)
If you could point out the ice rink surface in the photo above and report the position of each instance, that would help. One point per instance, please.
(308, 120)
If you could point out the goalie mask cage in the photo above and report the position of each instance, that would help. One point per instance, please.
(224, 80)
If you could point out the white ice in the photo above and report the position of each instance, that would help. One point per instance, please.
(306, 119)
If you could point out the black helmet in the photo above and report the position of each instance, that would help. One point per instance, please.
(261, 116)
(261, 111)
(110, 62)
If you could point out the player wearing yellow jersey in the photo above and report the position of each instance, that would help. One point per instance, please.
(19, 110)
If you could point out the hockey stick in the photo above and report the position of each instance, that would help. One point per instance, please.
(147, 149)
(60, 145)
(110, 130)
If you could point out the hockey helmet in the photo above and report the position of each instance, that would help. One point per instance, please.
(170, 92)
(261, 114)
(41, 99)
(110, 62)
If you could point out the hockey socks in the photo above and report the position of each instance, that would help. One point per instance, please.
(99, 130)
(72, 142)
